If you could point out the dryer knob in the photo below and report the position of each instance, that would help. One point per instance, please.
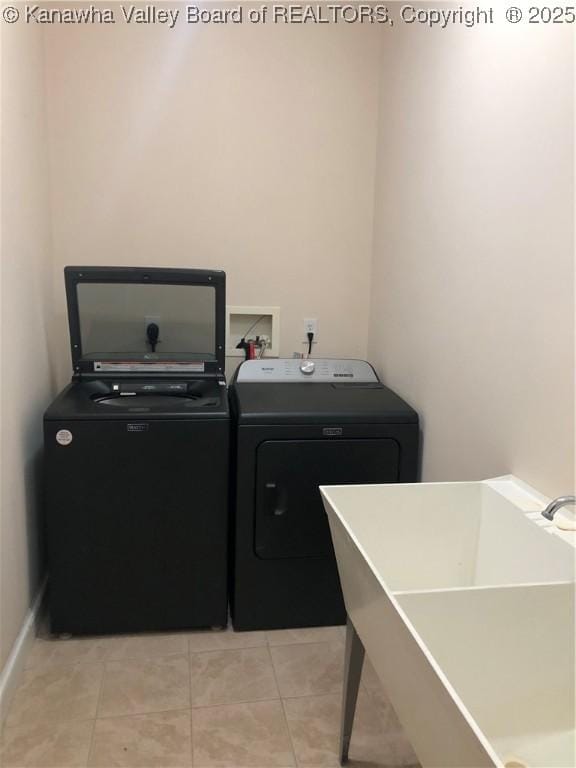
(308, 367)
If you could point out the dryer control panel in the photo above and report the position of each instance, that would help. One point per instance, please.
(307, 370)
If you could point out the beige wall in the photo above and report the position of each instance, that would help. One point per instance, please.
(26, 282)
(249, 149)
(472, 313)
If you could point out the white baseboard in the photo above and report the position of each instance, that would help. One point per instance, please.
(12, 673)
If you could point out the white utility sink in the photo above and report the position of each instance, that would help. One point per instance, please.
(441, 535)
(508, 654)
(464, 603)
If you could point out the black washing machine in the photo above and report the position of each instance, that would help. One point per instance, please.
(299, 424)
(136, 455)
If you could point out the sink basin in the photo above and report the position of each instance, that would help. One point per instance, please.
(508, 655)
(463, 601)
(449, 535)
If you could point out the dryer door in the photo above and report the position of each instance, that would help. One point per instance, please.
(290, 520)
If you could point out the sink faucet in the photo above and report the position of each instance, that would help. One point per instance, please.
(554, 506)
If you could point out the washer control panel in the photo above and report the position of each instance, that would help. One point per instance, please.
(318, 370)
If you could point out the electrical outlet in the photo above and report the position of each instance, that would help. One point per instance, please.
(151, 319)
(310, 325)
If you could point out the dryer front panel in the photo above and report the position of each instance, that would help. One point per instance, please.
(290, 520)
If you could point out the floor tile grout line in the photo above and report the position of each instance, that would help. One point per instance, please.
(100, 687)
(189, 676)
(118, 716)
(90, 743)
(154, 712)
(286, 723)
(127, 715)
(226, 650)
(338, 640)
(240, 701)
(191, 719)
(328, 641)
(52, 723)
(276, 683)
(148, 659)
(189, 635)
(312, 695)
(192, 737)
(46, 666)
(260, 645)
(50, 664)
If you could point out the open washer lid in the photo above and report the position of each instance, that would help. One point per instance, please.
(128, 321)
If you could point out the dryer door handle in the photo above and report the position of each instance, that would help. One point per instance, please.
(276, 497)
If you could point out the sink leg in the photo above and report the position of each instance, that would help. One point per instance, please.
(354, 659)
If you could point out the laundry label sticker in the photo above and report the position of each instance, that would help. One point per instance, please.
(63, 437)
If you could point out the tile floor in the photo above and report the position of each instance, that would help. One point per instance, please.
(207, 699)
